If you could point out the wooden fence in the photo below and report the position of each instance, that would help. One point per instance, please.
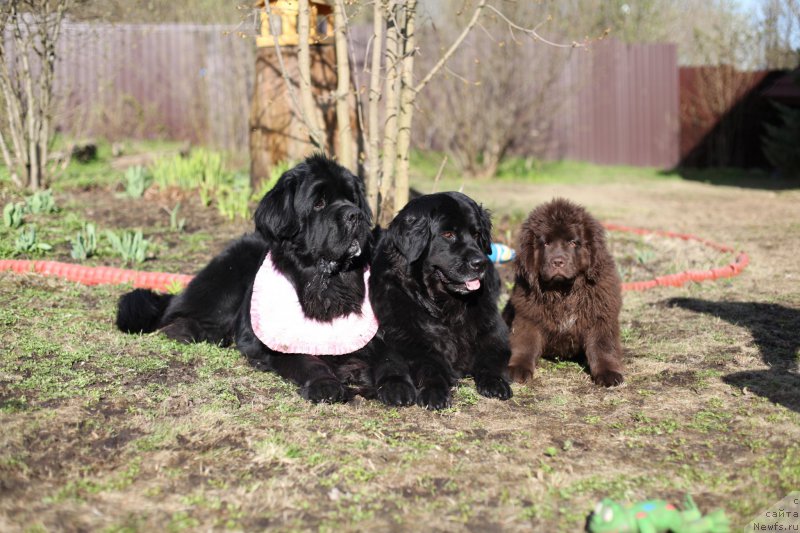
(192, 82)
(178, 81)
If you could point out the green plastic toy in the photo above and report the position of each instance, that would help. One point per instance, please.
(655, 516)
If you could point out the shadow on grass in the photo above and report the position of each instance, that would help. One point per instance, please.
(776, 332)
(734, 177)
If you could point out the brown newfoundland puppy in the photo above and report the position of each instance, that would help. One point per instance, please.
(567, 297)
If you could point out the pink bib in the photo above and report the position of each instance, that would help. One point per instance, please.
(279, 322)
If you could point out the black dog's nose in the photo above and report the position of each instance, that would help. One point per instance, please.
(478, 262)
(558, 262)
(353, 216)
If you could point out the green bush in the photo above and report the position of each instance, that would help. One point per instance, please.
(131, 246)
(84, 244)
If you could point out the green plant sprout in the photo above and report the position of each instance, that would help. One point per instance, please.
(131, 246)
(137, 180)
(13, 215)
(27, 242)
(41, 202)
(84, 244)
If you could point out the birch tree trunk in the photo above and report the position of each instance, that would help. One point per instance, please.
(391, 96)
(373, 166)
(406, 110)
(304, 65)
(344, 135)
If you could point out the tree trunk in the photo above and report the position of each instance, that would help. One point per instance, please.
(344, 152)
(304, 64)
(373, 131)
(391, 94)
(407, 95)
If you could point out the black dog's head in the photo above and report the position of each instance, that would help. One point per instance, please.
(318, 212)
(558, 243)
(447, 237)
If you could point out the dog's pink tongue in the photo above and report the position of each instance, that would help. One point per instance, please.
(473, 284)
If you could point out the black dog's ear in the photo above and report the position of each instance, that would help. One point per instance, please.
(275, 216)
(484, 229)
(410, 234)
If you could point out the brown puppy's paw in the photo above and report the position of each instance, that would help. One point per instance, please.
(608, 378)
(520, 374)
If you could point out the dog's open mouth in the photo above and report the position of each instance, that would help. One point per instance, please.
(463, 287)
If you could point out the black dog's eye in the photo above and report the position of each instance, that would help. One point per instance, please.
(573, 243)
(319, 204)
(449, 235)
(546, 243)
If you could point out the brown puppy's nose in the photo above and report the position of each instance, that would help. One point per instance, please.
(558, 262)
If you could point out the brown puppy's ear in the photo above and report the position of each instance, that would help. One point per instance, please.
(528, 253)
(595, 239)
(275, 216)
(410, 234)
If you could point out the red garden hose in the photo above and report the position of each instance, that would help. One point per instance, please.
(164, 281)
(681, 278)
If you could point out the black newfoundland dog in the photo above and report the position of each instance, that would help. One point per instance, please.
(293, 295)
(567, 296)
(435, 292)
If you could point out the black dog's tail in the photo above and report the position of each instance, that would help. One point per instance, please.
(140, 310)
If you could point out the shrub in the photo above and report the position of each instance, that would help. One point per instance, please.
(131, 246)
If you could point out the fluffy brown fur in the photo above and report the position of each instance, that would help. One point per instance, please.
(567, 297)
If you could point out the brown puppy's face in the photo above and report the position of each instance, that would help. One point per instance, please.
(556, 244)
(562, 255)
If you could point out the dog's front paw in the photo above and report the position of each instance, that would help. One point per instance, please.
(608, 378)
(397, 392)
(433, 398)
(520, 373)
(327, 390)
(493, 387)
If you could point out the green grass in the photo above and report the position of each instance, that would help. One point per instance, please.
(136, 432)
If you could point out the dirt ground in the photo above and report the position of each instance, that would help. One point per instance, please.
(105, 431)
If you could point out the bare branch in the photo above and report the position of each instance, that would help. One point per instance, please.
(475, 15)
(533, 31)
